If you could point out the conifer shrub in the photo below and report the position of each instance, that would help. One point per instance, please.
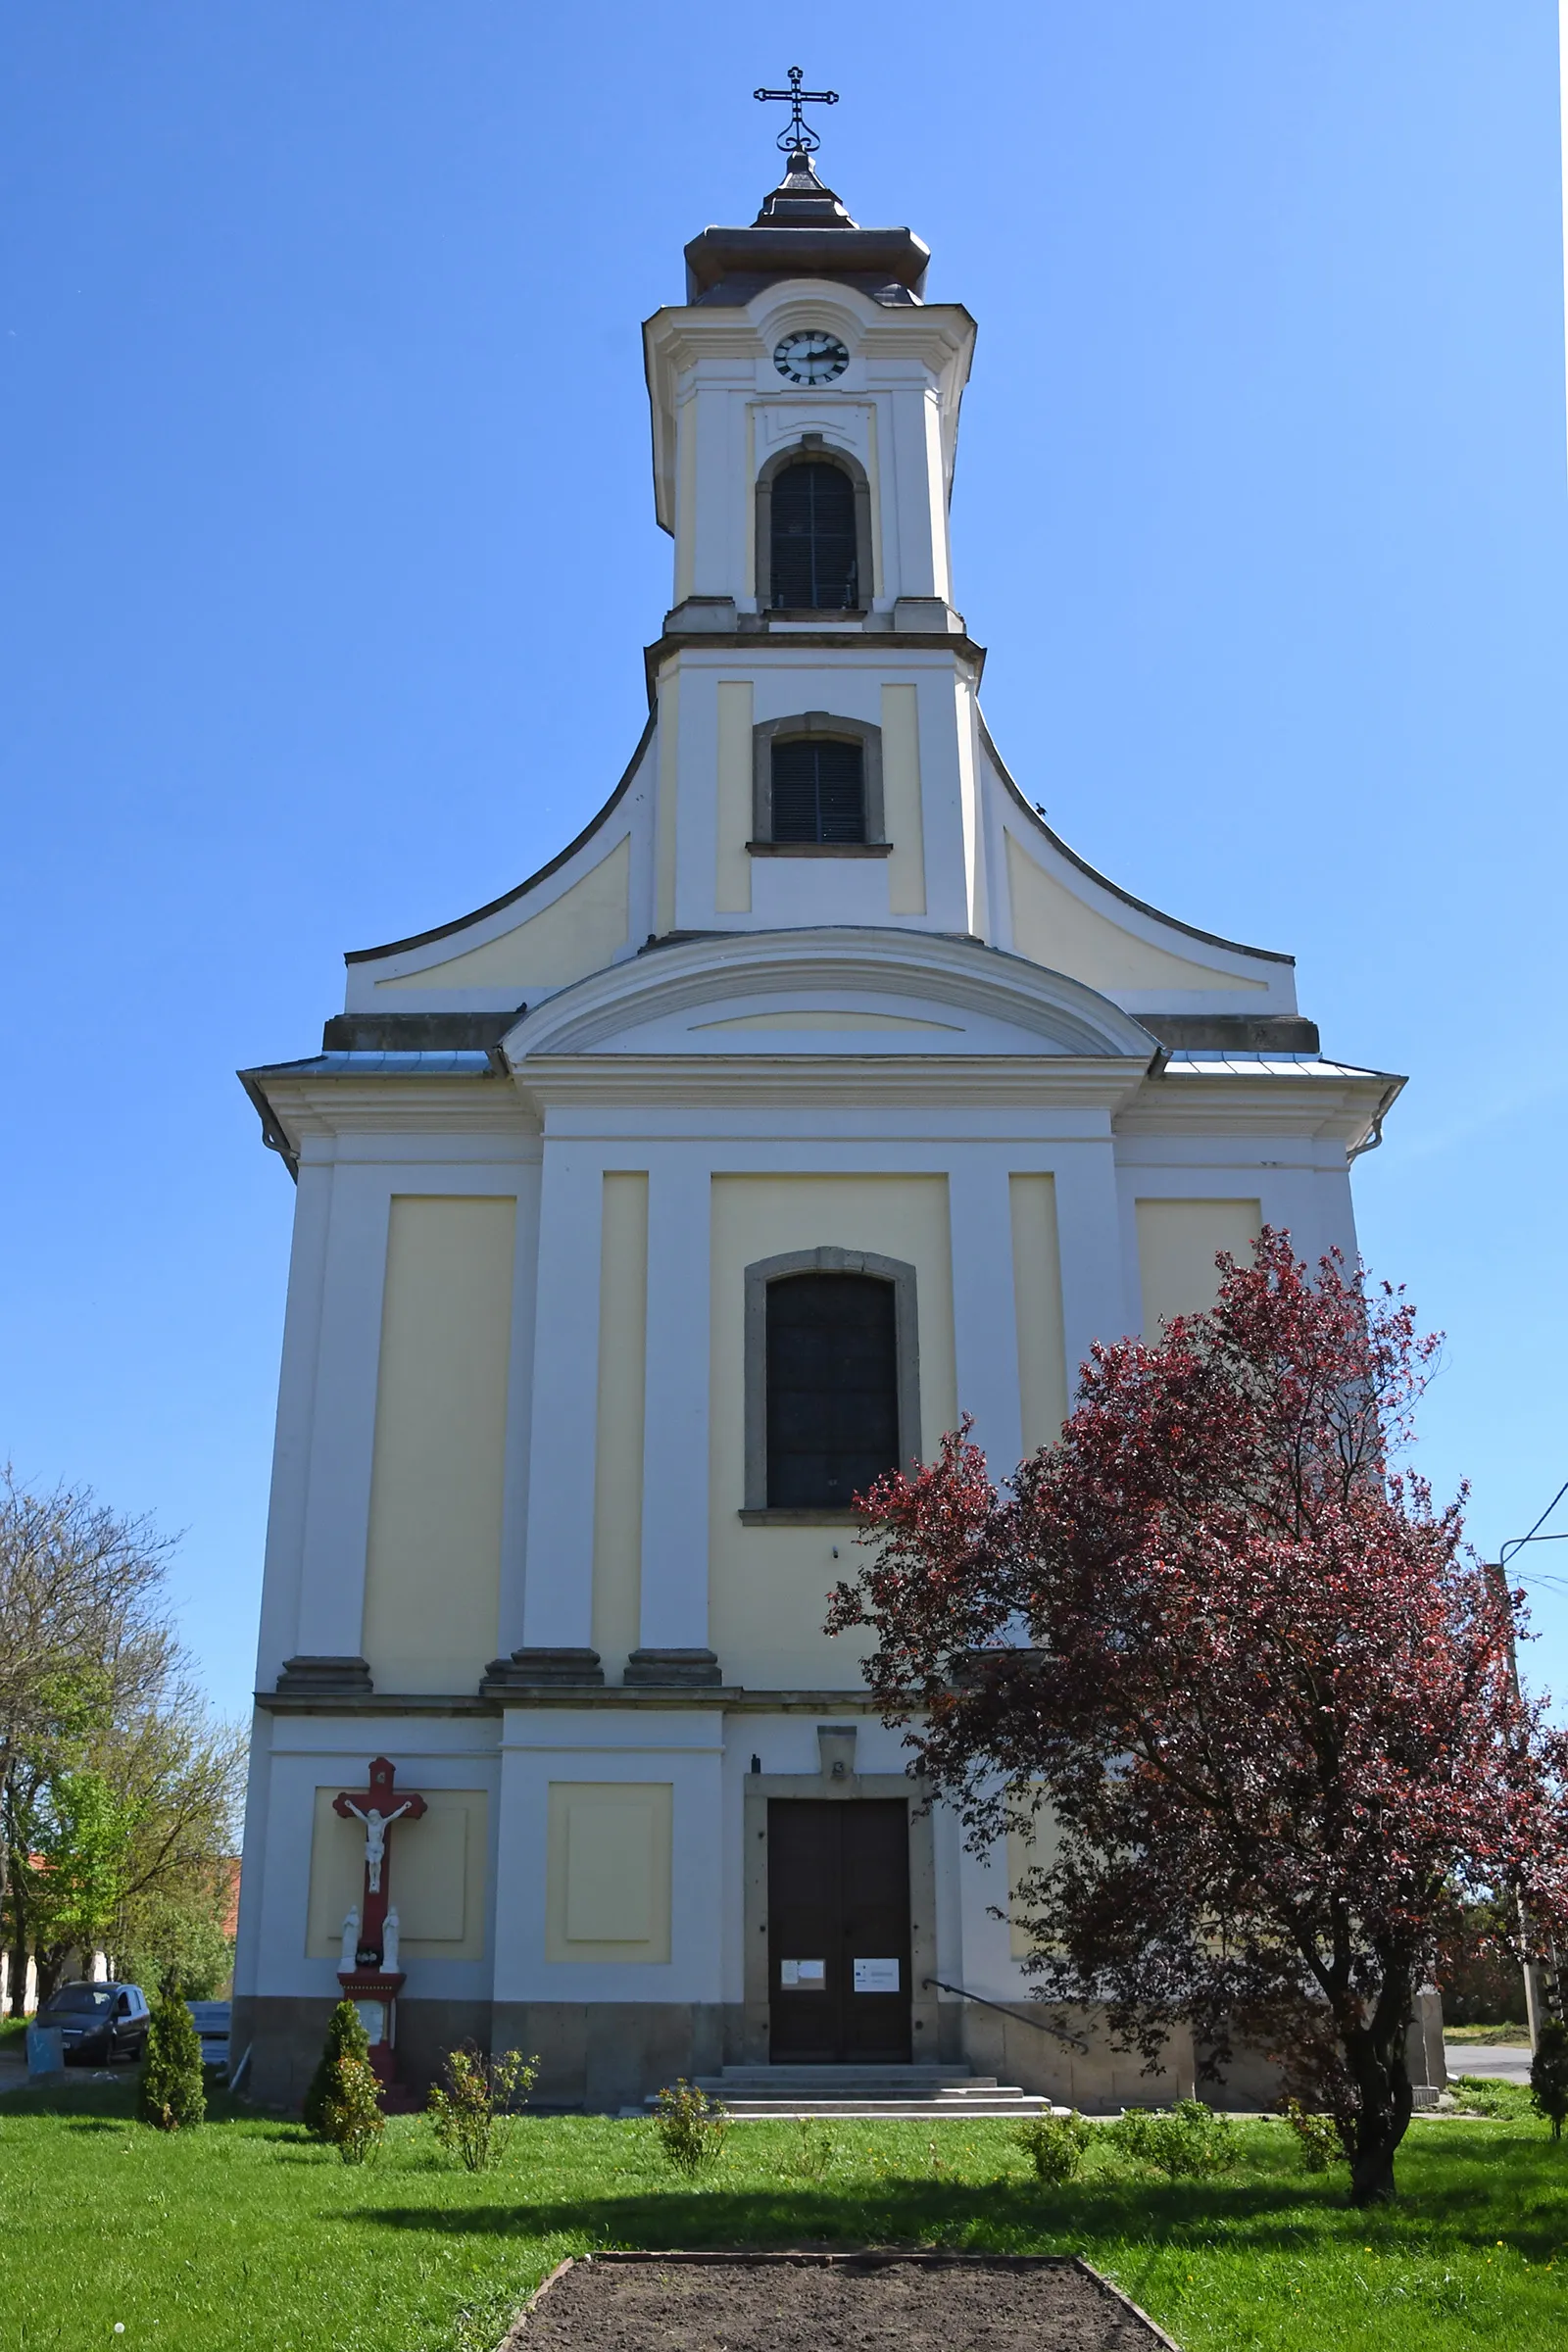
(346, 2038)
(691, 2126)
(351, 2114)
(1549, 2075)
(1055, 2145)
(475, 2114)
(172, 2095)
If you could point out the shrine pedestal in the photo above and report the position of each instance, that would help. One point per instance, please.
(374, 1993)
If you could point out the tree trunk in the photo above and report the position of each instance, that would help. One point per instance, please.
(1375, 2054)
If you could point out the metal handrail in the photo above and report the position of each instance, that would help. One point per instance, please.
(1074, 2042)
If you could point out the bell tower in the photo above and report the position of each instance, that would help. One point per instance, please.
(816, 684)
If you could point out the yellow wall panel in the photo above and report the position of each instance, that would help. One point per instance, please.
(608, 1870)
(1051, 927)
(1177, 1245)
(1037, 1291)
(436, 1879)
(434, 1557)
(1034, 1851)
(578, 934)
(768, 1586)
(619, 1442)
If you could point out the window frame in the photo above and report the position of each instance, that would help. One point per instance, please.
(812, 449)
(828, 724)
(755, 1511)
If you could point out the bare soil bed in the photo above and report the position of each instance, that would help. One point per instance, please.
(830, 2303)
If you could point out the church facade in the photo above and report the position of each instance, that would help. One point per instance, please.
(816, 1095)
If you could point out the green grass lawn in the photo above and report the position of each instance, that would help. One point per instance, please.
(1515, 2035)
(246, 2236)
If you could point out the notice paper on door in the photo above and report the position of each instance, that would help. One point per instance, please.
(876, 1976)
(802, 1975)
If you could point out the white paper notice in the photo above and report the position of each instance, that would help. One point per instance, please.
(802, 1975)
(876, 1976)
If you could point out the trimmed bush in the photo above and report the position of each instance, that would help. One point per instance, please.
(346, 2038)
(171, 2096)
(1186, 2141)
(475, 2115)
(1549, 2075)
(691, 2126)
(350, 2115)
(1318, 2136)
(1055, 2145)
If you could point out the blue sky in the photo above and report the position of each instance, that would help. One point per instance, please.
(330, 555)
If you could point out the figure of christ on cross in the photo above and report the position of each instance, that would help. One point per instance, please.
(377, 1807)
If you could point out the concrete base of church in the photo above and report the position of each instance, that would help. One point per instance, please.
(602, 2056)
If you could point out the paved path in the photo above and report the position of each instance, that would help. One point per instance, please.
(1497, 2061)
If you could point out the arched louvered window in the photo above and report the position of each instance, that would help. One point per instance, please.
(832, 1388)
(818, 789)
(815, 567)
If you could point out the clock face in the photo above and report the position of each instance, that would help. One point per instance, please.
(812, 356)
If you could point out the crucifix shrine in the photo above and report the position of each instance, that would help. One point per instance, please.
(377, 1807)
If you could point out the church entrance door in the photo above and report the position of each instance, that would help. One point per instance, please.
(838, 1932)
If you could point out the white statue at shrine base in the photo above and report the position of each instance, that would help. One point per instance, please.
(348, 1958)
(389, 1942)
(376, 1824)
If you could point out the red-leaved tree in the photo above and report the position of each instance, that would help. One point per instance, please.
(1256, 1681)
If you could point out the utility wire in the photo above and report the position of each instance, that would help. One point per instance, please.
(1516, 1543)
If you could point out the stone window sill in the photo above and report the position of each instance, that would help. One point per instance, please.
(819, 849)
(809, 1518)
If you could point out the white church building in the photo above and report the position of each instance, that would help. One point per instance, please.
(815, 1095)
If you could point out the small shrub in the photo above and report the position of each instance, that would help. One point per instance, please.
(172, 2095)
(815, 2151)
(1186, 2141)
(346, 2038)
(350, 2115)
(1549, 2075)
(474, 2116)
(1055, 2145)
(1316, 2136)
(691, 2126)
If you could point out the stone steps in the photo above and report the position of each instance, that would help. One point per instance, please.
(926, 2092)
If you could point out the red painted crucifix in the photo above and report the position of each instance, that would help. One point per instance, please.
(377, 1807)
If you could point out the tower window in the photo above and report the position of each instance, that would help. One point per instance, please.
(819, 790)
(832, 1388)
(815, 551)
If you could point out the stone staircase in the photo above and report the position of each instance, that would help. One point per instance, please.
(754, 2092)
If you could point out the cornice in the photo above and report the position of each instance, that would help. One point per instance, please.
(1342, 1105)
(872, 645)
(978, 1081)
(326, 1105)
(556, 1698)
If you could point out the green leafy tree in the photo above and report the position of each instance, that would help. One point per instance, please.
(1549, 2073)
(181, 1934)
(346, 2038)
(172, 2096)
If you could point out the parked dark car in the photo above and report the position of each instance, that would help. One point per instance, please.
(212, 2024)
(98, 2023)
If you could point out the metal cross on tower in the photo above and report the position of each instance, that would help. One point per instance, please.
(799, 138)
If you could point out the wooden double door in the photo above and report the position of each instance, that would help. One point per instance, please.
(838, 1931)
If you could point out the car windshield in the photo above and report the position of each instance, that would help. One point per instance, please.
(72, 1997)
